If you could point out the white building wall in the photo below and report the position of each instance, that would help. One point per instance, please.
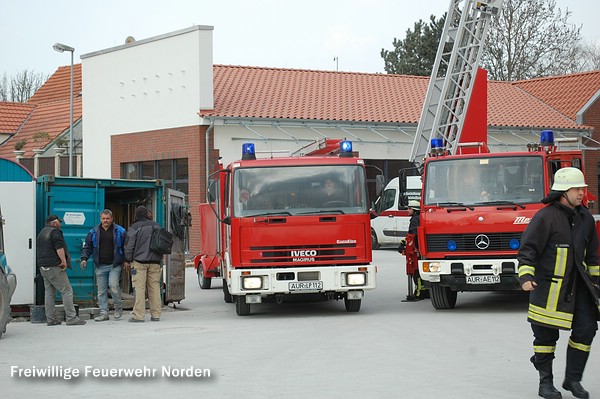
(155, 83)
(383, 143)
(377, 142)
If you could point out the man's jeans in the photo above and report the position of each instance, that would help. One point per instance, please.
(107, 275)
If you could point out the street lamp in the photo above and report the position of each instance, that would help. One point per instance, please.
(62, 48)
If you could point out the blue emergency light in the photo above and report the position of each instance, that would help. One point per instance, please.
(437, 143)
(514, 244)
(345, 146)
(451, 245)
(547, 138)
(248, 151)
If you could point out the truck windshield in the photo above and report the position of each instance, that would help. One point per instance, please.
(479, 181)
(299, 190)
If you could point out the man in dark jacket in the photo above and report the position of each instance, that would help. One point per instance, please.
(145, 265)
(52, 258)
(558, 265)
(105, 244)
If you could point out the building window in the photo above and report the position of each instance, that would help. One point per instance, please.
(130, 171)
(174, 172)
(181, 175)
(165, 169)
(148, 170)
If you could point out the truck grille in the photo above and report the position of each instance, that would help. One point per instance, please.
(299, 253)
(467, 242)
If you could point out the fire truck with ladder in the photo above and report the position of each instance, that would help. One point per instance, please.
(475, 204)
(278, 233)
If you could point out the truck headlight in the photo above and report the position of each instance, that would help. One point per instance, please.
(252, 282)
(356, 279)
(431, 267)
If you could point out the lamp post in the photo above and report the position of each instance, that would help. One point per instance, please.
(62, 48)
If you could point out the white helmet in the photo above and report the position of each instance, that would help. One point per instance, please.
(567, 178)
(414, 204)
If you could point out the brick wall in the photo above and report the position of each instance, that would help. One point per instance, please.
(592, 157)
(183, 142)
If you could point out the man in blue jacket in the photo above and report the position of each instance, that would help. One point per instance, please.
(105, 244)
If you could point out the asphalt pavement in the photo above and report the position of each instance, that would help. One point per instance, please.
(201, 348)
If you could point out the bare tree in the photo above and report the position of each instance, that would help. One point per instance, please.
(4, 88)
(591, 55)
(532, 38)
(20, 87)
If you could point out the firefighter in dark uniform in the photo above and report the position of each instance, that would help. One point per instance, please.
(558, 265)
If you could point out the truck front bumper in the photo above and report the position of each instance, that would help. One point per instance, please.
(471, 274)
(306, 280)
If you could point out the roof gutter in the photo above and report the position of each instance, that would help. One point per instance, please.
(591, 101)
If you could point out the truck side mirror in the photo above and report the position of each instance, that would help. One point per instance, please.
(211, 192)
(379, 183)
(403, 202)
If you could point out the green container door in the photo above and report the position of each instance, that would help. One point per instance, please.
(80, 208)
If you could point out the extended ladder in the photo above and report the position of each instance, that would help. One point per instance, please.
(449, 91)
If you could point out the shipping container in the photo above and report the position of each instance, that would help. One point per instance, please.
(79, 201)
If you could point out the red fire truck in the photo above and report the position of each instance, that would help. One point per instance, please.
(474, 209)
(475, 205)
(288, 226)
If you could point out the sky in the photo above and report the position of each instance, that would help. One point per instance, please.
(344, 35)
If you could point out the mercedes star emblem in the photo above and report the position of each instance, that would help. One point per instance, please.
(482, 241)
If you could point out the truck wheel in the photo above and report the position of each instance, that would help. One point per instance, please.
(352, 305)
(374, 242)
(203, 282)
(226, 295)
(442, 297)
(241, 307)
(4, 303)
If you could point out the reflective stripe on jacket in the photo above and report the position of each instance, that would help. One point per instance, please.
(557, 243)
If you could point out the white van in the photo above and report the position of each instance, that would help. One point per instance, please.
(391, 224)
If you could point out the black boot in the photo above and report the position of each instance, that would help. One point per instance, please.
(576, 361)
(576, 389)
(546, 389)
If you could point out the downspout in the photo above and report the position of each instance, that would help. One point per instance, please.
(206, 140)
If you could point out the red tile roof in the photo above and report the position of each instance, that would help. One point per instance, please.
(48, 111)
(273, 93)
(568, 93)
(254, 92)
(13, 115)
(510, 106)
(58, 85)
(51, 118)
